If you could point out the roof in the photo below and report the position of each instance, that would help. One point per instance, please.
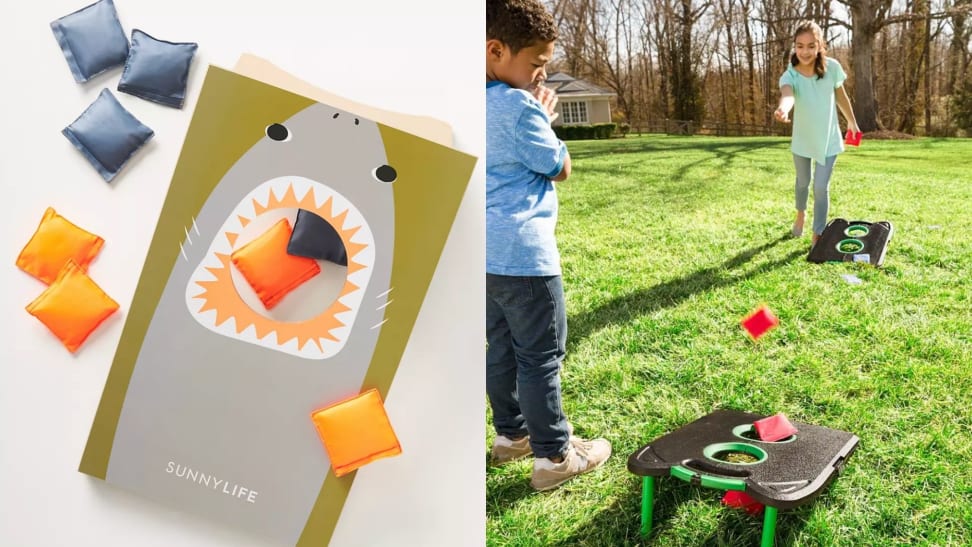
(566, 85)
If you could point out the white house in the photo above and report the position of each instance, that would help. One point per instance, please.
(579, 102)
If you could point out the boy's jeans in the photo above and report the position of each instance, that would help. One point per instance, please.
(526, 329)
(821, 188)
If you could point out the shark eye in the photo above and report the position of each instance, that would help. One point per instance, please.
(278, 132)
(385, 173)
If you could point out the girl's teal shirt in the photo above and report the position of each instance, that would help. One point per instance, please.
(816, 133)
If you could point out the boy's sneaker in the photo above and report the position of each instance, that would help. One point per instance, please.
(506, 450)
(582, 456)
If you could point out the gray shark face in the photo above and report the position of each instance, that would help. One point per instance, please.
(323, 160)
(221, 383)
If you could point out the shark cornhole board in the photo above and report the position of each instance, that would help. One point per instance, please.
(722, 451)
(208, 402)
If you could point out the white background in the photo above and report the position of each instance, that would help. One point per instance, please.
(419, 57)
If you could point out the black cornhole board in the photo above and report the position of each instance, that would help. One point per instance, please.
(875, 241)
(794, 472)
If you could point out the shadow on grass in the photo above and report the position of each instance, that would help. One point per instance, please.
(726, 151)
(617, 524)
(507, 486)
(620, 523)
(670, 293)
(729, 148)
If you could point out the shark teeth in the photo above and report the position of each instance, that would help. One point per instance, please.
(279, 193)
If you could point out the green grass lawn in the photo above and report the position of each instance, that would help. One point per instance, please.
(666, 243)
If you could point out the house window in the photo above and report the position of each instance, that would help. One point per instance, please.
(574, 111)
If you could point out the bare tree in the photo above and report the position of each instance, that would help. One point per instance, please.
(958, 47)
(915, 34)
(868, 17)
(745, 12)
(572, 21)
(680, 59)
(686, 90)
(778, 16)
(618, 66)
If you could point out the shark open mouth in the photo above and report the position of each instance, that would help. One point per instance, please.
(214, 299)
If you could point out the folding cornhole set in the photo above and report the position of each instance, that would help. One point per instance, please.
(249, 381)
(852, 241)
(723, 451)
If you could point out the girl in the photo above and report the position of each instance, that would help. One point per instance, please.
(814, 84)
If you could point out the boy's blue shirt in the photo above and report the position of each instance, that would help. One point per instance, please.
(522, 154)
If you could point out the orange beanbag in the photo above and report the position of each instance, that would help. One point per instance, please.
(268, 268)
(356, 432)
(72, 306)
(55, 242)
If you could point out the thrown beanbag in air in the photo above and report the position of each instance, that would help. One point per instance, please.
(356, 432)
(107, 135)
(313, 237)
(92, 40)
(73, 306)
(157, 70)
(268, 268)
(56, 242)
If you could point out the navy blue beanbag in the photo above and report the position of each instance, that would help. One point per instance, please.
(313, 237)
(157, 70)
(107, 134)
(92, 40)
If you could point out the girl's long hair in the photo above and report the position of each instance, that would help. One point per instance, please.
(820, 63)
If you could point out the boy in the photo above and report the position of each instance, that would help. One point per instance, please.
(526, 322)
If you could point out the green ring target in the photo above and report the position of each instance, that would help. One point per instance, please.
(850, 246)
(721, 452)
(856, 230)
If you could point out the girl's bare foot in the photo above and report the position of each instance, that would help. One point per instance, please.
(798, 224)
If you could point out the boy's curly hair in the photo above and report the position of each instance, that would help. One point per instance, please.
(519, 23)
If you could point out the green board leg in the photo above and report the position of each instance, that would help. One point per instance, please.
(647, 503)
(769, 527)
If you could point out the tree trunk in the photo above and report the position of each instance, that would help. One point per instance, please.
(865, 109)
(866, 26)
(928, 77)
(957, 49)
(663, 32)
(751, 65)
(685, 86)
(734, 89)
(914, 37)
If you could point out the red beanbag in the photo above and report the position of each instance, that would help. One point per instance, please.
(774, 428)
(742, 500)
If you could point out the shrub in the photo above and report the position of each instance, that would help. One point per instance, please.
(578, 132)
